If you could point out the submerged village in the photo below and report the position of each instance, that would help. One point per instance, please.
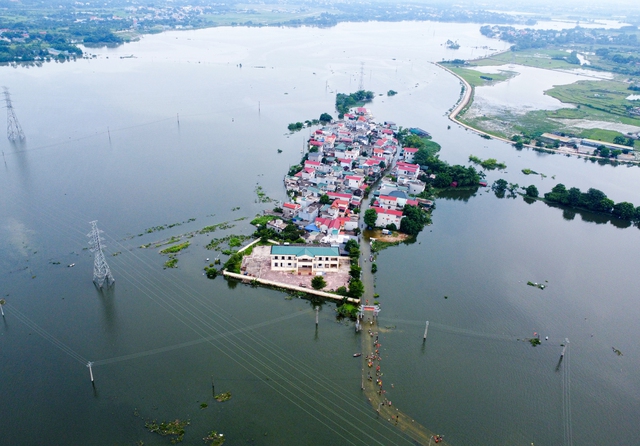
(355, 176)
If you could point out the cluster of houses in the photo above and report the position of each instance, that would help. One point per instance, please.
(344, 158)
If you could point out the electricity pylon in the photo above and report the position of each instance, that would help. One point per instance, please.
(101, 271)
(14, 131)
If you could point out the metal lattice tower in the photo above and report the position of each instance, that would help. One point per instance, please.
(101, 271)
(14, 131)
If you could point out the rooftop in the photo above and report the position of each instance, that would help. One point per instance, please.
(309, 251)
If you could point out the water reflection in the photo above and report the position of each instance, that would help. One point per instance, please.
(20, 151)
(106, 296)
(457, 194)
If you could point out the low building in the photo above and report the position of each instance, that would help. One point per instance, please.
(290, 210)
(277, 225)
(306, 259)
(387, 217)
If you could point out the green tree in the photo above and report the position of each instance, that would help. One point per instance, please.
(442, 180)
(518, 145)
(370, 217)
(619, 140)
(356, 288)
(574, 197)
(351, 244)
(325, 199)
(604, 152)
(326, 117)
(355, 271)
(624, 210)
(318, 282)
(413, 220)
(500, 185)
(532, 191)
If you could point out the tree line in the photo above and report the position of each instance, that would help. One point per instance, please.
(593, 200)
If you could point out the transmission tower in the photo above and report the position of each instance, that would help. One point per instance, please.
(361, 84)
(14, 131)
(101, 271)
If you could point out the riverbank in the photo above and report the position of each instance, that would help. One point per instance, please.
(465, 102)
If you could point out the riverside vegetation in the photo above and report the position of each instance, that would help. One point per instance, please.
(616, 51)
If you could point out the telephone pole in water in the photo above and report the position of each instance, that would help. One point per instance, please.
(14, 131)
(101, 271)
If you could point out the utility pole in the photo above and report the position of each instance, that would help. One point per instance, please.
(426, 328)
(361, 84)
(317, 309)
(101, 271)
(109, 133)
(89, 364)
(2, 302)
(14, 130)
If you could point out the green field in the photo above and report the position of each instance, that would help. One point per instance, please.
(539, 58)
(474, 77)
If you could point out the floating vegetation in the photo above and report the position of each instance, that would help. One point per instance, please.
(176, 248)
(173, 428)
(213, 228)
(115, 254)
(529, 172)
(235, 209)
(616, 351)
(222, 397)
(171, 263)
(535, 342)
(163, 227)
(214, 438)
(542, 286)
(489, 164)
(241, 218)
(211, 272)
(262, 196)
(203, 405)
(262, 220)
(55, 263)
(216, 242)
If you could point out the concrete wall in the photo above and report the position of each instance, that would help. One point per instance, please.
(291, 287)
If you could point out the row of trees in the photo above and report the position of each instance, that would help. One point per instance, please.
(447, 174)
(593, 200)
(346, 101)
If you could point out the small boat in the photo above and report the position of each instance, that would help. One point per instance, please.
(71, 266)
(355, 355)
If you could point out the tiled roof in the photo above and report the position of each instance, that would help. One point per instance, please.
(299, 251)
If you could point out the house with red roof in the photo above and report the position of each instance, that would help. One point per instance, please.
(387, 217)
(408, 170)
(308, 173)
(408, 153)
(290, 210)
(315, 165)
(354, 181)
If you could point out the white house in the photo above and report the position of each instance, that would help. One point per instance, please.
(306, 259)
(387, 217)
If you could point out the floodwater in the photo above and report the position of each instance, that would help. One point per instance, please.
(523, 92)
(181, 131)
